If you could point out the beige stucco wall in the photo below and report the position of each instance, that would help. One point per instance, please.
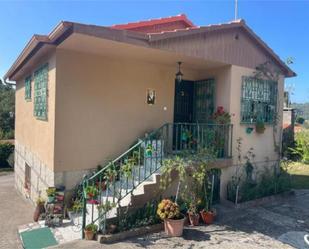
(34, 134)
(263, 144)
(101, 108)
(97, 109)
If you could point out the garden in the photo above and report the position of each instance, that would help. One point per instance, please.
(298, 166)
(193, 202)
(252, 181)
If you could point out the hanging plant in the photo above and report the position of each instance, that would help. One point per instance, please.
(260, 126)
(91, 192)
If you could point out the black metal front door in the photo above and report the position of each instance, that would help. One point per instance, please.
(183, 107)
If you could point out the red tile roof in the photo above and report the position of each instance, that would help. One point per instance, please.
(158, 25)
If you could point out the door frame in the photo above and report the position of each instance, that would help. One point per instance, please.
(194, 110)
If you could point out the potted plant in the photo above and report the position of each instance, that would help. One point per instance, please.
(149, 150)
(90, 230)
(91, 192)
(39, 209)
(75, 211)
(168, 211)
(193, 214)
(260, 126)
(101, 183)
(208, 214)
(51, 192)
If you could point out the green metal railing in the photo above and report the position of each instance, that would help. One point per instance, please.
(107, 189)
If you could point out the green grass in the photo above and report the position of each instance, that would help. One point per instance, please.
(299, 175)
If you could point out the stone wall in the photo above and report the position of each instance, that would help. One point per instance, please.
(41, 176)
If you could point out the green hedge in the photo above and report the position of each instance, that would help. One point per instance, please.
(6, 149)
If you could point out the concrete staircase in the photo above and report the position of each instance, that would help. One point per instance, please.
(136, 194)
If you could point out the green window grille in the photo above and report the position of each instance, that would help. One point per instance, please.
(28, 88)
(259, 100)
(40, 92)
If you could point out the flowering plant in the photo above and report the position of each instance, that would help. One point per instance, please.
(221, 116)
(193, 205)
(91, 192)
(168, 210)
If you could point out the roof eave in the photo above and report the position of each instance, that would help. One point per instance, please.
(35, 43)
(288, 71)
(235, 24)
(65, 29)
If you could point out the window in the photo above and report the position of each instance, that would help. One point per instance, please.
(27, 183)
(28, 88)
(40, 92)
(259, 100)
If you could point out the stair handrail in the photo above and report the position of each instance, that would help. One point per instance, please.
(141, 140)
(132, 149)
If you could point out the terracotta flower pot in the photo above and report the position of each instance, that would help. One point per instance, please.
(194, 219)
(112, 228)
(208, 216)
(174, 228)
(89, 235)
(38, 210)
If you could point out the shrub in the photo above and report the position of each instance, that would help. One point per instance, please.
(300, 120)
(269, 183)
(6, 149)
(288, 142)
(144, 216)
(302, 146)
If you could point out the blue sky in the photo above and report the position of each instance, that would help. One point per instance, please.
(283, 25)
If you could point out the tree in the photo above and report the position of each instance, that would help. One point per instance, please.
(302, 109)
(300, 120)
(7, 110)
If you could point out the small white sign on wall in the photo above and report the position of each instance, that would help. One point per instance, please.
(151, 96)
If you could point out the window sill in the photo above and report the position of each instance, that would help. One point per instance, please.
(41, 118)
(254, 123)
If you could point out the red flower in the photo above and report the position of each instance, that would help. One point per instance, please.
(220, 110)
(93, 202)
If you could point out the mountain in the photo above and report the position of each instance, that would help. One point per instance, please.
(302, 109)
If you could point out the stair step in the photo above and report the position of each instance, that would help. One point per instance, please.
(137, 180)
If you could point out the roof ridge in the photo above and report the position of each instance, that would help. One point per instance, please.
(179, 17)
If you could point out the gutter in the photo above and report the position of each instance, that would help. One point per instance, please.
(35, 44)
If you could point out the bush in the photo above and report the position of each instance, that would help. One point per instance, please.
(269, 183)
(6, 149)
(288, 142)
(300, 120)
(302, 146)
(6, 135)
(144, 216)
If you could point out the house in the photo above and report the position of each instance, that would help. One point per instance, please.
(86, 93)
